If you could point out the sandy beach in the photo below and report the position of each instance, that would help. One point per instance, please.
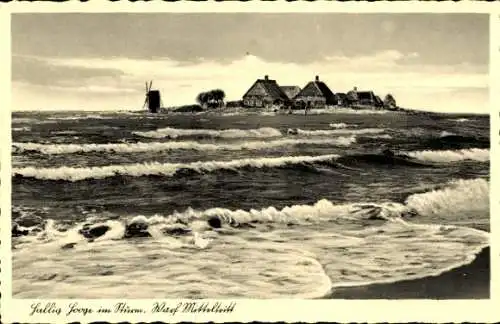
(471, 281)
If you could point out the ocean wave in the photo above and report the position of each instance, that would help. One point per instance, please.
(168, 132)
(390, 158)
(474, 154)
(193, 221)
(21, 129)
(468, 197)
(460, 120)
(22, 120)
(78, 117)
(165, 146)
(161, 169)
(447, 134)
(450, 141)
(323, 210)
(409, 159)
(458, 196)
(341, 125)
(278, 262)
(326, 132)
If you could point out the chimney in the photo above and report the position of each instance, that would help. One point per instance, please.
(317, 78)
(266, 77)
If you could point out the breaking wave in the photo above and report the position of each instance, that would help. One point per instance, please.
(341, 125)
(461, 196)
(325, 132)
(460, 120)
(447, 134)
(165, 146)
(392, 249)
(78, 117)
(21, 129)
(161, 169)
(411, 159)
(475, 154)
(168, 132)
(465, 196)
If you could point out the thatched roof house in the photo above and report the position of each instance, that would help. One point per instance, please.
(290, 91)
(379, 102)
(316, 94)
(343, 99)
(366, 98)
(264, 92)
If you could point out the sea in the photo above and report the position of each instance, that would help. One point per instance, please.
(234, 205)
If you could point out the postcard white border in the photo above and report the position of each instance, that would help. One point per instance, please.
(252, 309)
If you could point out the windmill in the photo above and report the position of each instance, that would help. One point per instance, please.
(153, 98)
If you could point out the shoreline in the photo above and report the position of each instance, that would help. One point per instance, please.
(262, 112)
(469, 281)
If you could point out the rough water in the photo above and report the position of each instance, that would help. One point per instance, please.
(130, 205)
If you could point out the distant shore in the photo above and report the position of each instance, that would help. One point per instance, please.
(253, 111)
(470, 281)
(313, 111)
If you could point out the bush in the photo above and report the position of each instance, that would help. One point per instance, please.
(189, 108)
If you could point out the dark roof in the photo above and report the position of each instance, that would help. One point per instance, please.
(318, 88)
(290, 91)
(324, 89)
(271, 87)
(365, 95)
(341, 95)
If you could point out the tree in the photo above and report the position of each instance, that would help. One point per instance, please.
(218, 96)
(389, 101)
(202, 99)
(211, 99)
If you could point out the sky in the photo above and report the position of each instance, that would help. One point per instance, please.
(100, 61)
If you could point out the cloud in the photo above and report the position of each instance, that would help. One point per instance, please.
(120, 80)
(45, 72)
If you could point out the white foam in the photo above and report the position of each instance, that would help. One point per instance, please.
(460, 197)
(383, 136)
(22, 120)
(165, 146)
(341, 125)
(287, 262)
(326, 132)
(264, 132)
(77, 117)
(460, 120)
(322, 211)
(21, 129)
(163, 169)
(446, 133)
(475, 154)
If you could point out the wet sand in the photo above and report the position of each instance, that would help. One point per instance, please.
(471, 281)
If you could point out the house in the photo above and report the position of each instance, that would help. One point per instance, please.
(316, 94)
(290, 91)
(264, 93)
(366, 98)
(343, 99)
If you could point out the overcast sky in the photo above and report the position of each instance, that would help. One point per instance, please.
(100, 61)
